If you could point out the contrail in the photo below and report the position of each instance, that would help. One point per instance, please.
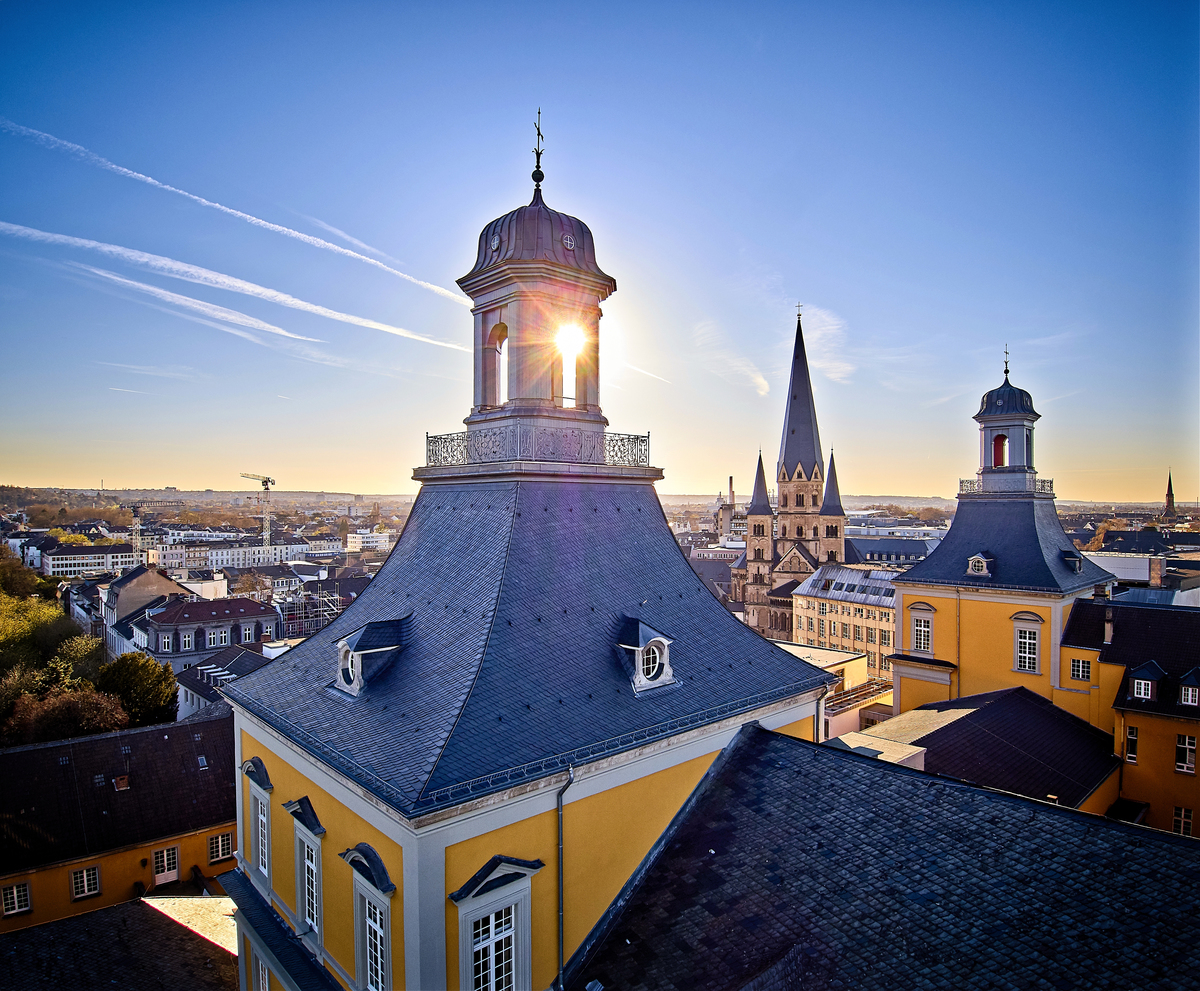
(207, 277)
(198, 305)
(83, 154)
(346, 237)
(644, 372)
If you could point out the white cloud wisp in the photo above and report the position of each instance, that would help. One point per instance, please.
(90, 157)
(825, 342)
(720, 358)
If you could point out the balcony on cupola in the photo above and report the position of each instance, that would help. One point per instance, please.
(537, 290)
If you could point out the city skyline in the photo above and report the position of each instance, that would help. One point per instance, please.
(257, 273)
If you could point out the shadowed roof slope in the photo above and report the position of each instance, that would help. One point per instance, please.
(760, 502)
(794, 865)
(801, 441)
(831, 505)
(518, 593)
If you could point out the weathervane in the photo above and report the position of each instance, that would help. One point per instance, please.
(799, 309)
(538, 175)
(1006, 360)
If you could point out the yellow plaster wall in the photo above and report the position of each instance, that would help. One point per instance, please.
(801, 730)
(343, 829)
(605, 837)
(914, 693)
(1153, 778)
(1099, 801)
(50, 887)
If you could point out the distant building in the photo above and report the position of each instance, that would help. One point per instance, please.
(187, 633)
(71, 560)
(127, 597)
(97, 820)
(356, 543)
(199, 684)
(851, 609)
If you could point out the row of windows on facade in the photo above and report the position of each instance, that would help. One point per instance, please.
(85, 881)
(1147, 689)
(492, 935)
(760, 530)
(214, 638)
(849, 631)
(1185, 750)
(858, 612)
(1026, 644)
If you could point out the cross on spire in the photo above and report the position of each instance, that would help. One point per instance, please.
(538, 175)
(1006, 360)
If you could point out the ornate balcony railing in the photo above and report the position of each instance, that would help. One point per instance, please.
(507, 444)
(1007, 483)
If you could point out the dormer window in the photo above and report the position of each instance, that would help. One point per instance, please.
(647, 654)
(1143, 689)
(652, 661)
(1189, 695)
(369, 651)
(979, 566)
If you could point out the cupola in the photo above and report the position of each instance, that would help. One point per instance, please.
(1006, 417)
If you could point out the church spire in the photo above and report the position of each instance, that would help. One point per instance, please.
(1170, 507)
(760, 502)
(832, 505)
(801, 443)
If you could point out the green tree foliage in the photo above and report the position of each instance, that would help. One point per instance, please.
(31, 631)
(16, 579)
(68, 538)
(147, 689)
(83, 656)
(62, 715)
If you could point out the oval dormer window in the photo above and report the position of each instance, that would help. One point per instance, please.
(652, 663)
(978, 567)
(495, 242)
(348, 667)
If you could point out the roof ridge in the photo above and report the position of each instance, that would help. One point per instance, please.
(512, 524)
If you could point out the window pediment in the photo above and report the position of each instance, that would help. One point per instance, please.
(980, 565)
(921, 607)
(256, 771)
(302, 811)
(498, 872)
(367, 862)
(1026, 617)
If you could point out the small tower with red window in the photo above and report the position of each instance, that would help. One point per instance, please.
(1006, 417)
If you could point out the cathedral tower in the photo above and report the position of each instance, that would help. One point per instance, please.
(799, 472)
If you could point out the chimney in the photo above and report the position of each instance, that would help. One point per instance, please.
(731, 490)
(1156, 572)
(1108, 624)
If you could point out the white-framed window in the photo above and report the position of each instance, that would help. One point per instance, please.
(85, 882)
(308, 882)
(493, 948)
(822, 607)
(16, 898)
(259, 822)
(1027, 649)
(922, 634)
(220, 847)
(164, 643)
(1185, 753)
(269, 629)
(1189, 695)
(248, 633)
(495, 938)
(185, 641)
(1143, 689)
(372, 930)
(212, 638)
(223, 638)
(262, 974)
(870, 634)
(1081, 670)
(1131, 744)
(858, 632)
(166, 865)
(885, 638)
(1181, 823)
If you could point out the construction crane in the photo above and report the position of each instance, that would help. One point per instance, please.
(265, 500)
(137, 507)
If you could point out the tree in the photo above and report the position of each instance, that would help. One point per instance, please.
(31, 631)
(67, 538)
(83, 656)
(63, 715)
(147, 689)
(16, 579)
(254, 585)
(1097, 542)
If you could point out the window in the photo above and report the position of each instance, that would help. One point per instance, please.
(1142, 689)
(1131, 738)
(858, 613)
(810, 624)
(1081, 670)
(224, 638)
(885, 638)
(212, 638)
(16, 896)
(493, 951)
(98, 780)
(1185, 753)
(922, 638)
(1181, 823)
(820, 627)
(220, 847)
(822, 608)
(870, 634)
(185, 641)
(85, 882)
(261, 832)
(310, 889)
(166, 865)
(870, 658)
(831, 531)
(846, 629)
(203, 762)
(262, 974)
(1189, 695)
(858, 632)
(164, 643)
(885, 664)
(248, 634)
(1027, 650)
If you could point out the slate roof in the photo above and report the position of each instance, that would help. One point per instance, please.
(794, 865)
(1135, 542)
(1166, 635)
(86, 550)
(1005, 401)
(760, 502)
(831, 505)
(1012, 739)
(801, 441)
(210, 611)
(536, 233)
(1024, 540)
(835, 581)
(904, 549)
(54, 809)
(518, 592)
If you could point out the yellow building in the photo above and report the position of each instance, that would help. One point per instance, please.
(103, 819)
(986, 610)
(448, 785)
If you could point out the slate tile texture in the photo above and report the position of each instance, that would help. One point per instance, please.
(795, 866)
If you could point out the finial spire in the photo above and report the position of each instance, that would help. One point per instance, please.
(1006, 360)
(538, 174)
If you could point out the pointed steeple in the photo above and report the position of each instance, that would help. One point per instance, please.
(1169, 510)
(760, 502)
(801, 443)
(832, 504)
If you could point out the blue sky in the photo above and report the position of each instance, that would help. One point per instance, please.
(931, 181)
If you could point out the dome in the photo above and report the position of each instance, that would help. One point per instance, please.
(535, 233)
(1007, 400)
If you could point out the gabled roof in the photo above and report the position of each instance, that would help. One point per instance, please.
(760, 502)
(59, 802)
(211, 611)
(794, 865)
(801, 441)
(518, 593)
(832, 503)
(1024, 539)
(1013, 739)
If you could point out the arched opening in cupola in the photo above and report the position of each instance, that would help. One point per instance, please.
(999, 451)
(495, 366)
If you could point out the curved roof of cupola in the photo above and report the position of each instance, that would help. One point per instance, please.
(1007, 400)
(535, 233)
